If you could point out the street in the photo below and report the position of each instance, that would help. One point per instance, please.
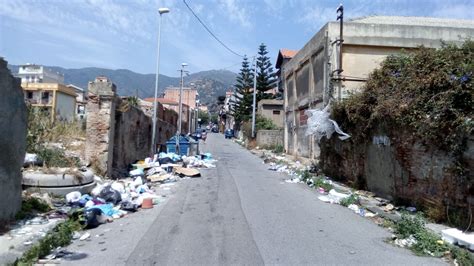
(242, 213)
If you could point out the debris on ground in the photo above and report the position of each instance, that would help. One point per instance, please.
(106, 201)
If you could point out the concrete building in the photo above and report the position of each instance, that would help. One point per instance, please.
(187, 116)
(81, 101)
(57, 98)
(189, 95)
(273, 110)
(284, 55)
(44, 88)
(31, 73)
(311, 78)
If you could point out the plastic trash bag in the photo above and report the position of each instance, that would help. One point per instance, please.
(106, 209)
(110, 195)
(92, 218)
(319, 124)
(128, 206)
(73, 197)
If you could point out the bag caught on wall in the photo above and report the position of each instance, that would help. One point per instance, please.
(319, 124)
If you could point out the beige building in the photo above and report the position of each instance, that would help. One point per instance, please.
(273, 110)
(189, 95)
(58, 99)
(311, 78)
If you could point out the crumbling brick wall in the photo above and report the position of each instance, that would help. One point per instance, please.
(119, 134)
(13, 129)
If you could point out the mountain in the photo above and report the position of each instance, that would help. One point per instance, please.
(210, 84)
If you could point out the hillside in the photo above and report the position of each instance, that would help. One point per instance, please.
(210, 84)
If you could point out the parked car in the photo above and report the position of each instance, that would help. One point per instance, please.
(215, 129)
(198, 133)
(229, 133)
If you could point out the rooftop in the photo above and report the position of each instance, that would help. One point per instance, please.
(415, 21)
(284, 54)
(161, 100)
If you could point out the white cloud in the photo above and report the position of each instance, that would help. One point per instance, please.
(236, 12)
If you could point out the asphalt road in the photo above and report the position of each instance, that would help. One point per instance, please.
(241, 213)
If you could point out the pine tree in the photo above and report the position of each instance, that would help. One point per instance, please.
(266, 77)
(242, 105)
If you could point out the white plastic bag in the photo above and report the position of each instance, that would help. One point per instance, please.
(319, 124)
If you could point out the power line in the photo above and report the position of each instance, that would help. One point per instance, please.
(210, 32)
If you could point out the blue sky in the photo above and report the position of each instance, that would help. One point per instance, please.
(122, 33)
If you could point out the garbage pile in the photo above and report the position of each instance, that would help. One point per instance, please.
(114, 199)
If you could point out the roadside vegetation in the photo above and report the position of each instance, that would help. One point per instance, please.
(42, 132)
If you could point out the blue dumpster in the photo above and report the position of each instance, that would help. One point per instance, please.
(183, 145)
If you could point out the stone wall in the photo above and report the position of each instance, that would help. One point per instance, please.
(119, 134)
(13, 129)
(269, 138)
(403, 169)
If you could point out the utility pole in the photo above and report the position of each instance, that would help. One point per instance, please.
(180, 108)
(254, 96)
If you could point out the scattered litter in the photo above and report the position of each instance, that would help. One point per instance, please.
(85, 236)
(411, 209)
(187, 172)
(333, 197)
(388, 207)
(455, 236)
(407, 242)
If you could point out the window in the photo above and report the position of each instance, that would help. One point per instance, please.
(45, 97)
(29, 95)
(276, 112)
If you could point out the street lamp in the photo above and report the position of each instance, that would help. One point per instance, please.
(161, 11)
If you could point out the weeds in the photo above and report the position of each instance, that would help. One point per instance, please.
(352, 199)
(429, 243)
(60, 236)
(30, 205)
(322, 183)
(278, 149)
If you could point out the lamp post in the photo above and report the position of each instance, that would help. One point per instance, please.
(161, 11)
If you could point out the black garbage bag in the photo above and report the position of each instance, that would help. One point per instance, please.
(128, 206)
(165, 160)
(110, 195)
(92, 218)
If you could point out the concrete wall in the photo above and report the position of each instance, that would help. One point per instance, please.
(269, 138)
(13, 129)
(273, 110)
(119, 134)
(65, 106)
(403, 169)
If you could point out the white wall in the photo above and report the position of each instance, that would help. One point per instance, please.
(65, 106)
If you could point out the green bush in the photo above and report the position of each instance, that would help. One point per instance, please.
(409, 225)
(428, 92)
(278, 149)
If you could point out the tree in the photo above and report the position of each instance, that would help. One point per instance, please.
(266, 78)
(242, 105)
(204, 117)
